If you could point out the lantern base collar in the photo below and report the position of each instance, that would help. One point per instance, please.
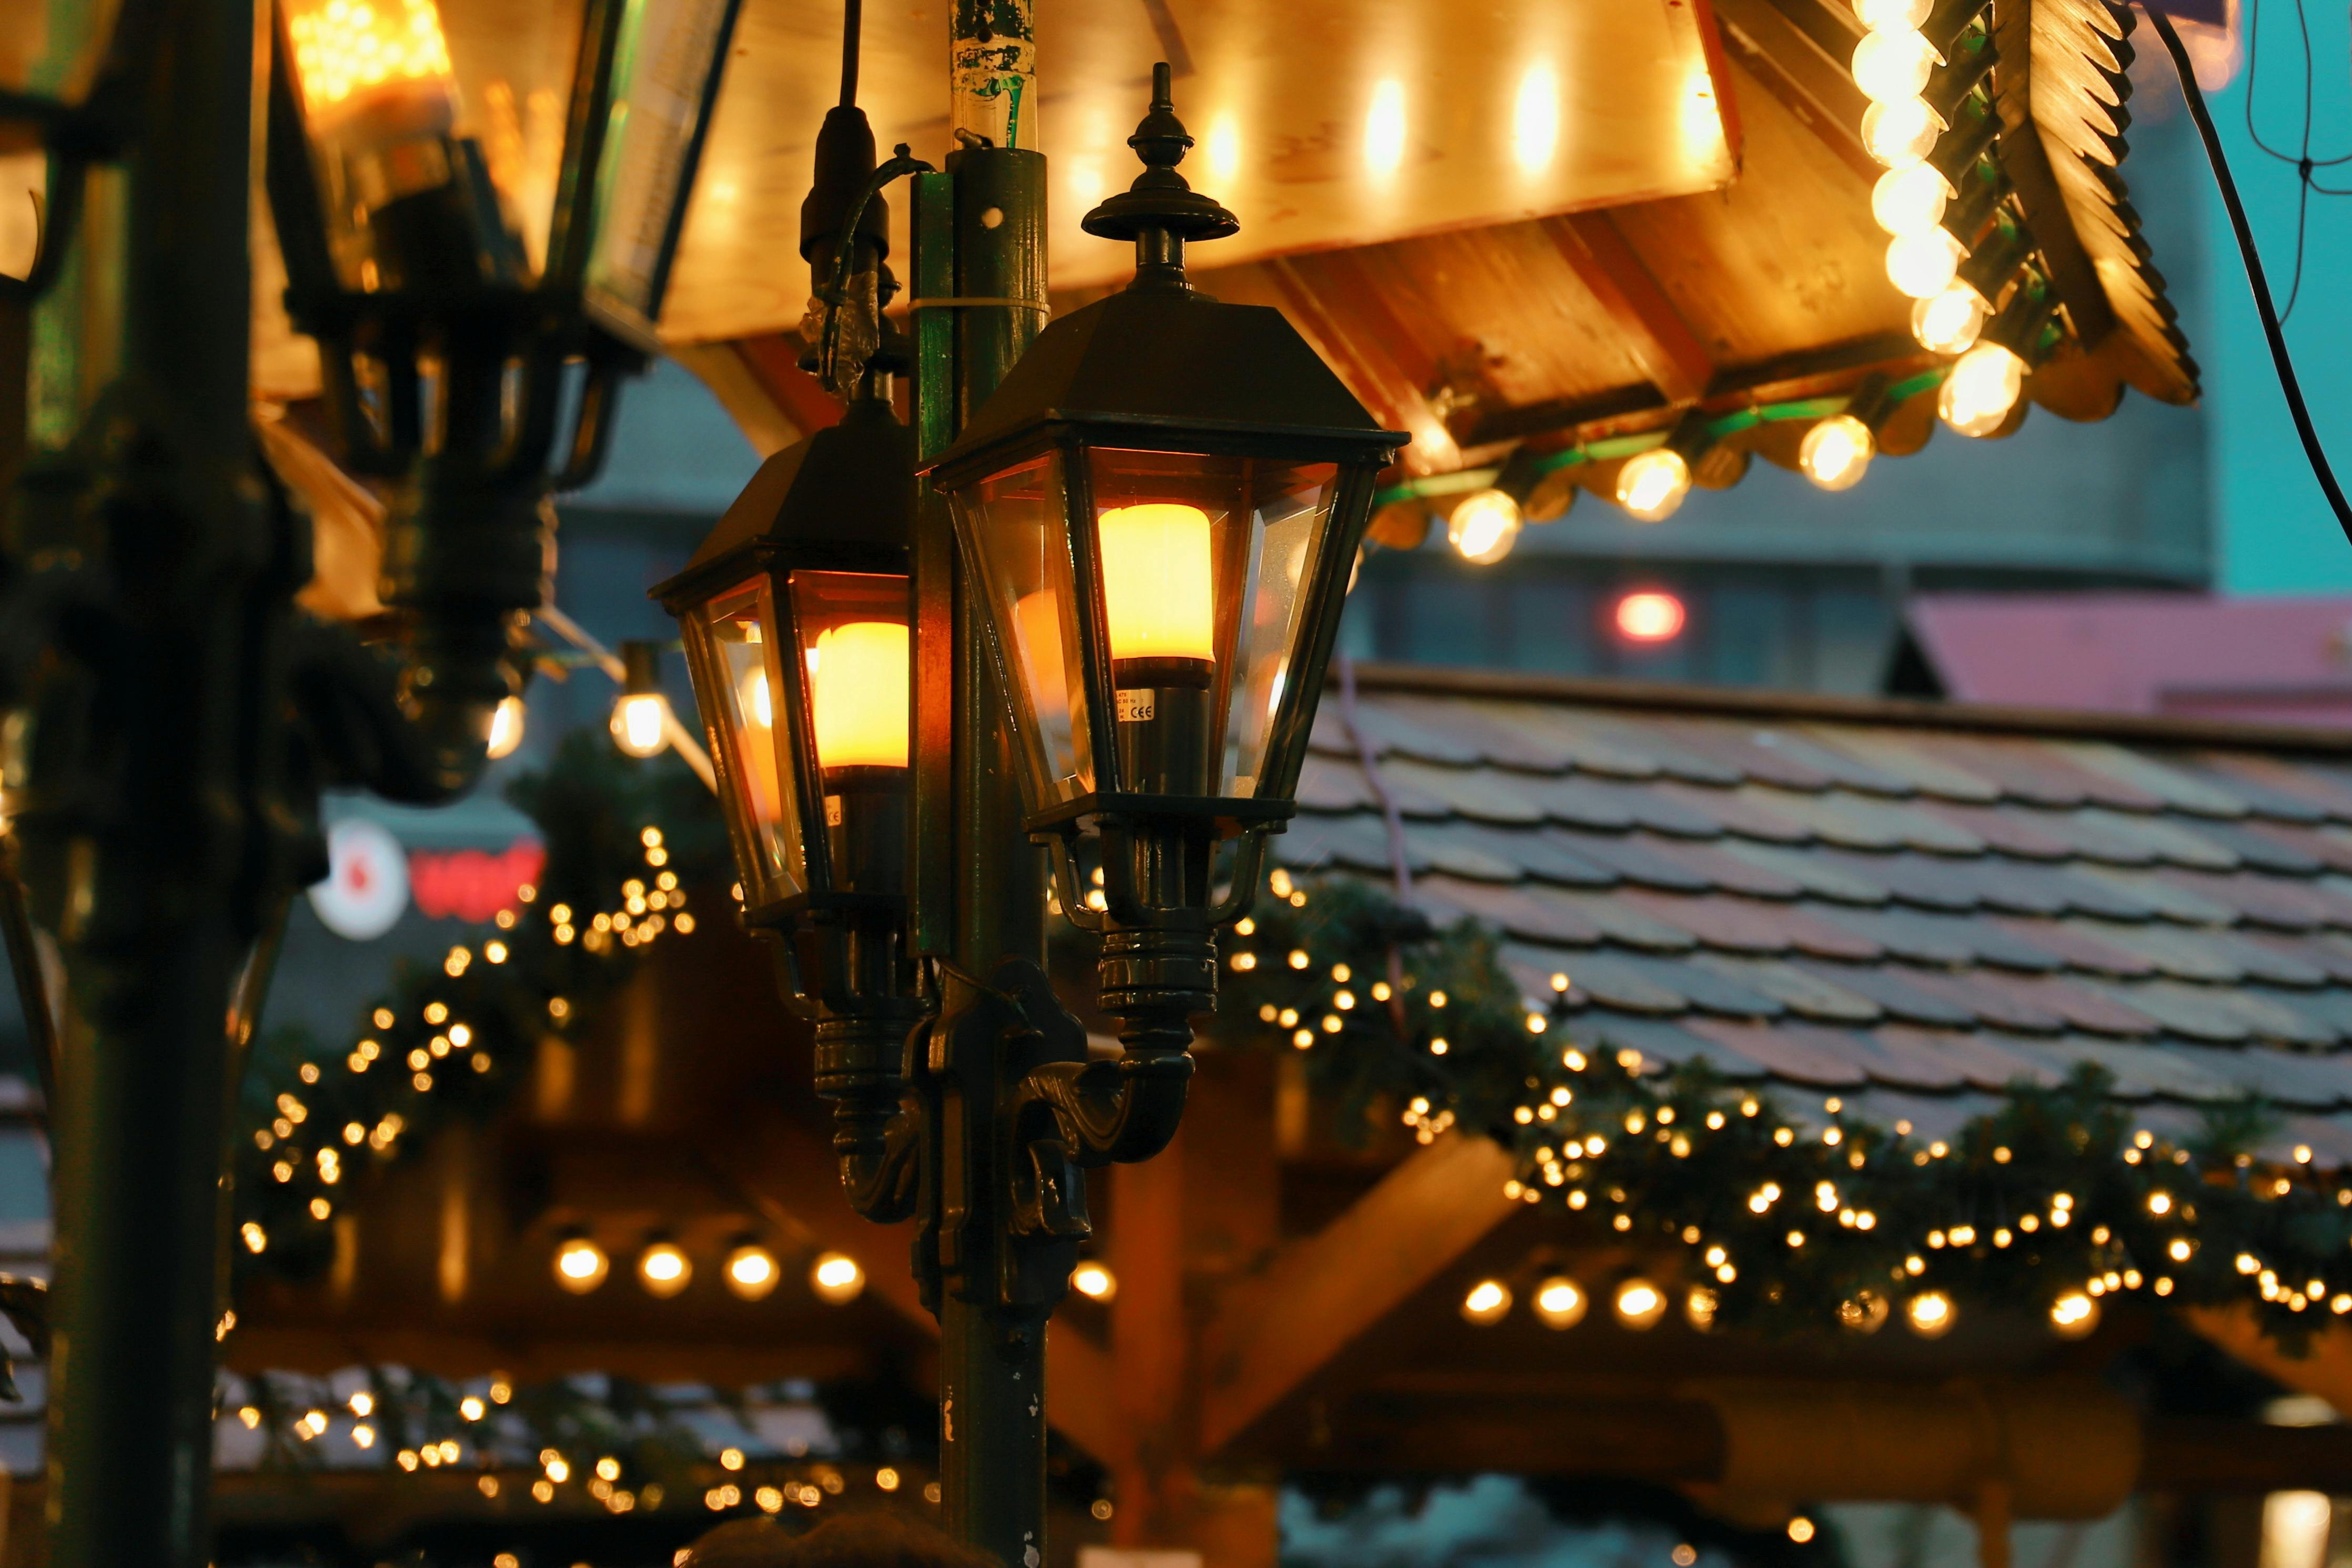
(1232, 814)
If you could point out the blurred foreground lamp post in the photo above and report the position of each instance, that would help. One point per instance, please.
(476, 295)
(172, 717)
(1157, 512)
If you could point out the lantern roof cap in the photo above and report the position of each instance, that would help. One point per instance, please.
(844, 499)
(1180, 366)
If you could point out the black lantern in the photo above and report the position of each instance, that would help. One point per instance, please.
(1161, 504)
(796, 614)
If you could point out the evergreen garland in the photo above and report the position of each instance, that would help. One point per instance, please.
(1779, 1221)
(623, 839)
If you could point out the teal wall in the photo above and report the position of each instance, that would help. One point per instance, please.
(2276, 533)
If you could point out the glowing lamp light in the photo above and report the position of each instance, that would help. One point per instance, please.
(1982, 389)
(1156, 582)
(1892, 15)
(1652, 484)
(859, 694)
(1484, 526)
(1489, 1303)
(1922, 264)
(351, 54)
(664, 1270)
(836, 1278)
(505, 726)
(1801, 1530)
(1559, 1302)
(1639, 1304)
(1893, 65)
(641, 717)
(1700, 1306)
(1930, 1314)
(1901, 131)
(2073, 1315)
(1650, 615)
(750, 1271)
(1836, 452)
(1094, 1281)
(580, 1265)
(1910, 200)
(1949, 322)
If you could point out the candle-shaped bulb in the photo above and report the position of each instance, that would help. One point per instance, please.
(1158, 581)
(859, 694)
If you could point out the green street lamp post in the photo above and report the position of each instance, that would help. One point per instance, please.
(1106, 611)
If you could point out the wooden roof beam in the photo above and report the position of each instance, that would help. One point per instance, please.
(1273, 1333)
(1677, 359)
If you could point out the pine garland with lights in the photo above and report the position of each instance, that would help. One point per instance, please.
(2049, 1204)
(623, 837)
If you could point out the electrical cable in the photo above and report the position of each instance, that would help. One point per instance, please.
(852, 22)
(2320, 469)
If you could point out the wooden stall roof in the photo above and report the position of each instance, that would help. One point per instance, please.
(1908, 905)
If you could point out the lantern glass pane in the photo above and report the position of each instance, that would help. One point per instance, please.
(1014, 522)
(663, 74)
(852, 629)
(737, 684)
(1206, 564)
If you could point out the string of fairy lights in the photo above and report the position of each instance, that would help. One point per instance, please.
(1752, 1211)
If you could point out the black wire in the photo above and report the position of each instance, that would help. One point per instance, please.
(2311, 449)
(850, 28)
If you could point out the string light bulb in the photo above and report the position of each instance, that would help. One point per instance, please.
(1893, 64)
(750, 1271)
(1900, 132)
(1652, 484)
(1922, 264)
(2073, 1315)
(1560, 1303)
(1638, 1303)
(1982, 389)
(1488, 1301)
(1836, 452)
(1484, 526)
(1910, 200)
(836, 1278)
(1930, 1314)
(1949, 321)
(505, 726)
(580, 1265)
(1892, 15)
(664, 1270)
(641, 717)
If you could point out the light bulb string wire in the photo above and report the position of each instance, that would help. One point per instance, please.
(688, 748)
(1616, 446)
(2272, 332)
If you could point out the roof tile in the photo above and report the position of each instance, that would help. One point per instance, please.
(1917, 881)
(1631, 743)
(2021, 769)
(2008, 828)
(1537, 914)
(1724, 870)
(1666, 1045)
(1544, 856)
(2138, 1073)
(1798, 1053)
(2083, 944)
(1634, 859)
(1327, 784)
(1732, 925)
(2079, 1005)
(2298, 781)
(1706, 986)
(2283, 1077)
(1804, 746)
(2169, 789)
(1890, 752)
(2270, 901)
(1984, 999)
(1904, 933)
(1891, 990)
(1804, 993)
(2161, 898)
(1355, 842)
(1604, 980)
(1496, 730)
(1978, 1058)
(1478, 794)
(1590, 803)
(1743, 749)
(1618, 921)
(2176, 844)
(1737, 811)
(2257, 788)
(1809, 872)
(2278, 848)
(1839, 817)
(2199, 1012)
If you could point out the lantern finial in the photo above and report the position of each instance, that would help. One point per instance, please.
(1159, 212)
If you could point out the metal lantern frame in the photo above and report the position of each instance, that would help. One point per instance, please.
(841, 501)
(1160, 369)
